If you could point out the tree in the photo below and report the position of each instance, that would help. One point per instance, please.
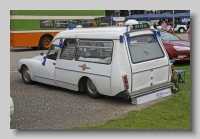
(124, 13)
(110, 12)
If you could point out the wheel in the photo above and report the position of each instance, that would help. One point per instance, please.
(91, 90)
(26, 75)
(181, 30)
(45, 43)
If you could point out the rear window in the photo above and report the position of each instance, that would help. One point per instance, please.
(144, 48)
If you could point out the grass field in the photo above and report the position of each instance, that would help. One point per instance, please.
(171, 114)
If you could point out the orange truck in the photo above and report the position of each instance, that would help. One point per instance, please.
(36, 28)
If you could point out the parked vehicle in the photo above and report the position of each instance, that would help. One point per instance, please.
(180, 28)
(177, 48)
(127, 62)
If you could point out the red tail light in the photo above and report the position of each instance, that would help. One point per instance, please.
(173, 72)
(126, 82)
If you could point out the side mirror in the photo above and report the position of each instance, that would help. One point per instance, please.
(42, 53)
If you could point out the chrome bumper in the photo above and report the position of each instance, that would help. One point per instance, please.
(151, 89)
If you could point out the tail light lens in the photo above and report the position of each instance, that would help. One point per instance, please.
(126, 85)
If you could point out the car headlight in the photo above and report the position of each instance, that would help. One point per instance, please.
(181, 48)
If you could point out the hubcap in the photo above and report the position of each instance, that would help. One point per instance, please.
(181, 30)
(91, 87)
(47, 43)
(26, 74)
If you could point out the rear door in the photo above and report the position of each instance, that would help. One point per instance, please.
(148, 61)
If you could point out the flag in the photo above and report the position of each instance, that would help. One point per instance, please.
(43, 63)
(61, 43)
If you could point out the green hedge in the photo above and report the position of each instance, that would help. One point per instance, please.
(59, 12)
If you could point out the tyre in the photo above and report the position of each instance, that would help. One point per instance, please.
(45, 43)
(181, 30)
(35, 48)
(26, 75)
(91, 90)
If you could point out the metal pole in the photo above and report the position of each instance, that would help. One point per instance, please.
(173, 21)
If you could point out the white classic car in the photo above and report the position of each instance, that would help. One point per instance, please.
(11, 107)
(104, 61)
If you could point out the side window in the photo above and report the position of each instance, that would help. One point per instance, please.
(69, 49)
(46, 23)
(94, 51)
(53, 52)
(61, 23)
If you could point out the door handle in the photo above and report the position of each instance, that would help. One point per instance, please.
(54, 63)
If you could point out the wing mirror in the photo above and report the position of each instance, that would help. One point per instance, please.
(42, 53)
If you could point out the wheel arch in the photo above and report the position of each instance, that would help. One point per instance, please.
(81, 83)
(30, 67)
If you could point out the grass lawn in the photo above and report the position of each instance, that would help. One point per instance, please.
(173, 113)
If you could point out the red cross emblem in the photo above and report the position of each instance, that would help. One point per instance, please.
(84, 67)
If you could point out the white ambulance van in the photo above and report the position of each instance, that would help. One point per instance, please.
(129, 62)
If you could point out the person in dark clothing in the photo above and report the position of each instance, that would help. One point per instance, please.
(188, 25)
(154, 25)
(176, 22)
(160, 22)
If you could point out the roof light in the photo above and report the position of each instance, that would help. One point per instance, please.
(71, 26)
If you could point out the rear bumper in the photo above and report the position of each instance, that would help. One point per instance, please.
(151, 89)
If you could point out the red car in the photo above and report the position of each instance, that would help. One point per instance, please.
(177, 49)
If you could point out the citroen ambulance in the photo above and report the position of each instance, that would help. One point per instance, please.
(128, 61)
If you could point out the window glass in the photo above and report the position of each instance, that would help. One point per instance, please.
(53, 52)
(144, 48)
(87, 23)
(46, 23)
(94, 51)
(68, 49)
(61, 23)
(75, 22)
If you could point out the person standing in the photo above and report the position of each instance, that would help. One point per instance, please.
(154, 25)
(176, 23)
(95, 25)
(160, 22)
(164, 26)
(188, 32)
(166, 21)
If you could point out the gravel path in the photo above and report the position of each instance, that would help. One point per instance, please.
(41, 106)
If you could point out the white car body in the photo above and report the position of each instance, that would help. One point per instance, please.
(143, 77)
(11, 108)
(180, 28)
